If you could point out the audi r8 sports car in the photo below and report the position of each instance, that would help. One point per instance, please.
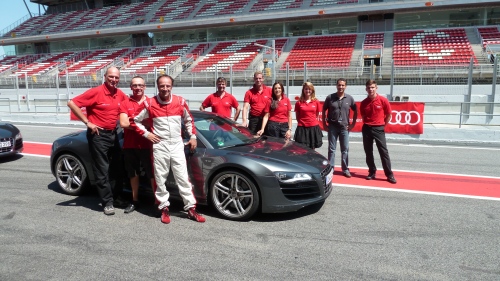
(11, 140)
(231, 170)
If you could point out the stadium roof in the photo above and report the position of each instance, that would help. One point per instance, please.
(54, 2)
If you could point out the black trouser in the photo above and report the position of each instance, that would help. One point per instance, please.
(106, 164)
(377, 133)
(254, 124)
(277, 129)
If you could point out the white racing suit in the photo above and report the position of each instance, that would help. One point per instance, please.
(166, 119)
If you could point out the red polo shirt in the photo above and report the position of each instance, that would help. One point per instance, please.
(103, 108)
(131, 138)
(280, 114)
(374, 111)
(307, 113)
(257, 100)
(221, 105)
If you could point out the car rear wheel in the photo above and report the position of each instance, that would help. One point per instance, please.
(234, 195)
(71, 174)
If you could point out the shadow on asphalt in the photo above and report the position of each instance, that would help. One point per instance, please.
(10, 158)
(90, 200)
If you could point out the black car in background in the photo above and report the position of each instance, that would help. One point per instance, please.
(11, 140)
(236, 173)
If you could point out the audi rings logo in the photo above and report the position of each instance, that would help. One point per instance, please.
(404, 117)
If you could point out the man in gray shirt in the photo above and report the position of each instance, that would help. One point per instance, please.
(337, 121)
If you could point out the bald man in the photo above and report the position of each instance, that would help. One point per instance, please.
(102, 104)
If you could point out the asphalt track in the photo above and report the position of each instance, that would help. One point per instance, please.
(434, 224)
(409, 181)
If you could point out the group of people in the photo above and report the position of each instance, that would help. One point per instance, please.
(153, 137)
(268, 111)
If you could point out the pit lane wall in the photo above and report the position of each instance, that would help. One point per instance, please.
(443, 104)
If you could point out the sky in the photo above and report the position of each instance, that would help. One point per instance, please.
(13, 12)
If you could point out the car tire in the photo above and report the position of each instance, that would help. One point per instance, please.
(234, 195)
(71, 175)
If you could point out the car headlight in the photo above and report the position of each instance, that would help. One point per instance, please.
(19, 136)
(292, 177)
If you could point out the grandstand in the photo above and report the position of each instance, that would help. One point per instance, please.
(316, 39)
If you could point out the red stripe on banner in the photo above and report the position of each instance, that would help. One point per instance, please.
(425, 182)
(37, 148)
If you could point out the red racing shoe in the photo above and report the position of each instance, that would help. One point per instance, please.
(165, 216)
(192, 214)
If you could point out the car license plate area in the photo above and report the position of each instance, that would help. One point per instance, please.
(5, 144)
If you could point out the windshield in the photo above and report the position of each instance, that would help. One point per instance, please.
(222, 132)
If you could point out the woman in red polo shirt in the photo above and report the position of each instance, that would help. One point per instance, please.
(307, 110)
(278, 115)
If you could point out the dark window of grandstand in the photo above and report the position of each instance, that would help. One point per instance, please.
(139, 40)
(42, 48)
(321, 27)
(439, 19)
(69, 45)
(371, 61)
(493, 16)
(24, 49)
(376, 23)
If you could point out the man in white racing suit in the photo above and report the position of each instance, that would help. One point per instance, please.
(166, 113)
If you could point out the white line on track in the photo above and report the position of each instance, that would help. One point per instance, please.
(35, 155)
(420, 192)
(38, 142)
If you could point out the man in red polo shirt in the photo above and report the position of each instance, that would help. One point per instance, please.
(376, 113)
(136, 149)
(256, 98)
(103, 107)
(221, 101)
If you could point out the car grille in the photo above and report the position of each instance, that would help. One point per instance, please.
(301, 190)
(8, 148)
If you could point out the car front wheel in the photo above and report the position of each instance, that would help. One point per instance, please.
(71, 175)
(234, 195)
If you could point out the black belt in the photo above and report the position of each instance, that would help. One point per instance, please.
(108, 131)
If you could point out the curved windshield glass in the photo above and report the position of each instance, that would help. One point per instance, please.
(222, 132)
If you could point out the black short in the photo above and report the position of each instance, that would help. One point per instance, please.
(134, 159)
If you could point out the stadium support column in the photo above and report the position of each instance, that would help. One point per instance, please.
(67, 83)
(469, 91)
(27, 91)
(305, 71)
(491, 106)
(18, 96)
(155, 71)
(391, 92)
(230, 78)
(58, 104)
(288, 79)
(216, 72)
(273, 57)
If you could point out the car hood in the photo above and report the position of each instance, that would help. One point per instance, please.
(284, 152)
(7, 129)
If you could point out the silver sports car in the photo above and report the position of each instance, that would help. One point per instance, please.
(231, 170)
